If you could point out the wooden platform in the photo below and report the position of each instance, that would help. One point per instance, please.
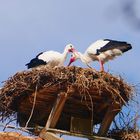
(65, 96)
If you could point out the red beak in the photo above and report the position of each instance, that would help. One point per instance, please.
(72, 50)
(71, 61)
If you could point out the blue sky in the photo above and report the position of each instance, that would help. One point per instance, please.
(30, 26)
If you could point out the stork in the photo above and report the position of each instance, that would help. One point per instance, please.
(102, 51)
(50, 58)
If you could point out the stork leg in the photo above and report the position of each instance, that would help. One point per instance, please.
(101, 65)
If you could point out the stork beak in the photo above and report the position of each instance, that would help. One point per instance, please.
(71, 61)
(72, 50)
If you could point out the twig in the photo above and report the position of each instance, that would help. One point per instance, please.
(11, 120)
(32, 111)
(17, 128)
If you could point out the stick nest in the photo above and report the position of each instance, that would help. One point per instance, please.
(91, 93)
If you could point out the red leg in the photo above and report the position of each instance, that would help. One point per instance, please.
(101, 65)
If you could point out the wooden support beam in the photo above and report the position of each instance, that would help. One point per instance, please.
(49, 136)
(53, 118)
(55, 114)
(91, 137)
(56, 110)
(58, 107)
(112, 111)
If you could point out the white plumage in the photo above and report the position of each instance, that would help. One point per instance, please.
(50, 58)
(102, 51)
(96, 45)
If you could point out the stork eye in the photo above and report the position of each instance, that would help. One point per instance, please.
(70, 46)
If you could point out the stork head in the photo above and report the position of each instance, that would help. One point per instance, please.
(70, 48)
(73, 58)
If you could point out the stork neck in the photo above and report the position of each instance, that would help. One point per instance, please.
(83, 58)
(65, 53)
(80, 55)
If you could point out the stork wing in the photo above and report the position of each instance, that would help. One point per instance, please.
(50, 56)
(112, 44)
(104, 45)
(95, 47)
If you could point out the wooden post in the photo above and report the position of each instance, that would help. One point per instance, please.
(56, 110)
(58, 107)
(109, 116)
(55, 114)
(53, 118)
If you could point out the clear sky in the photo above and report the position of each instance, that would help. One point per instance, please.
(28, 27)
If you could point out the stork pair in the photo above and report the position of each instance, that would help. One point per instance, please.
(101, 50)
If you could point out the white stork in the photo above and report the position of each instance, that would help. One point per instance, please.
(50, 58)
(102, 51)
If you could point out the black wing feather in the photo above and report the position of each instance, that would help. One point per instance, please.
(113, 44)
(35, 62)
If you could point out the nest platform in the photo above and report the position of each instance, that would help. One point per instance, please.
(90, 95)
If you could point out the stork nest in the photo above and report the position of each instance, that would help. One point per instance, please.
(92, 93)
